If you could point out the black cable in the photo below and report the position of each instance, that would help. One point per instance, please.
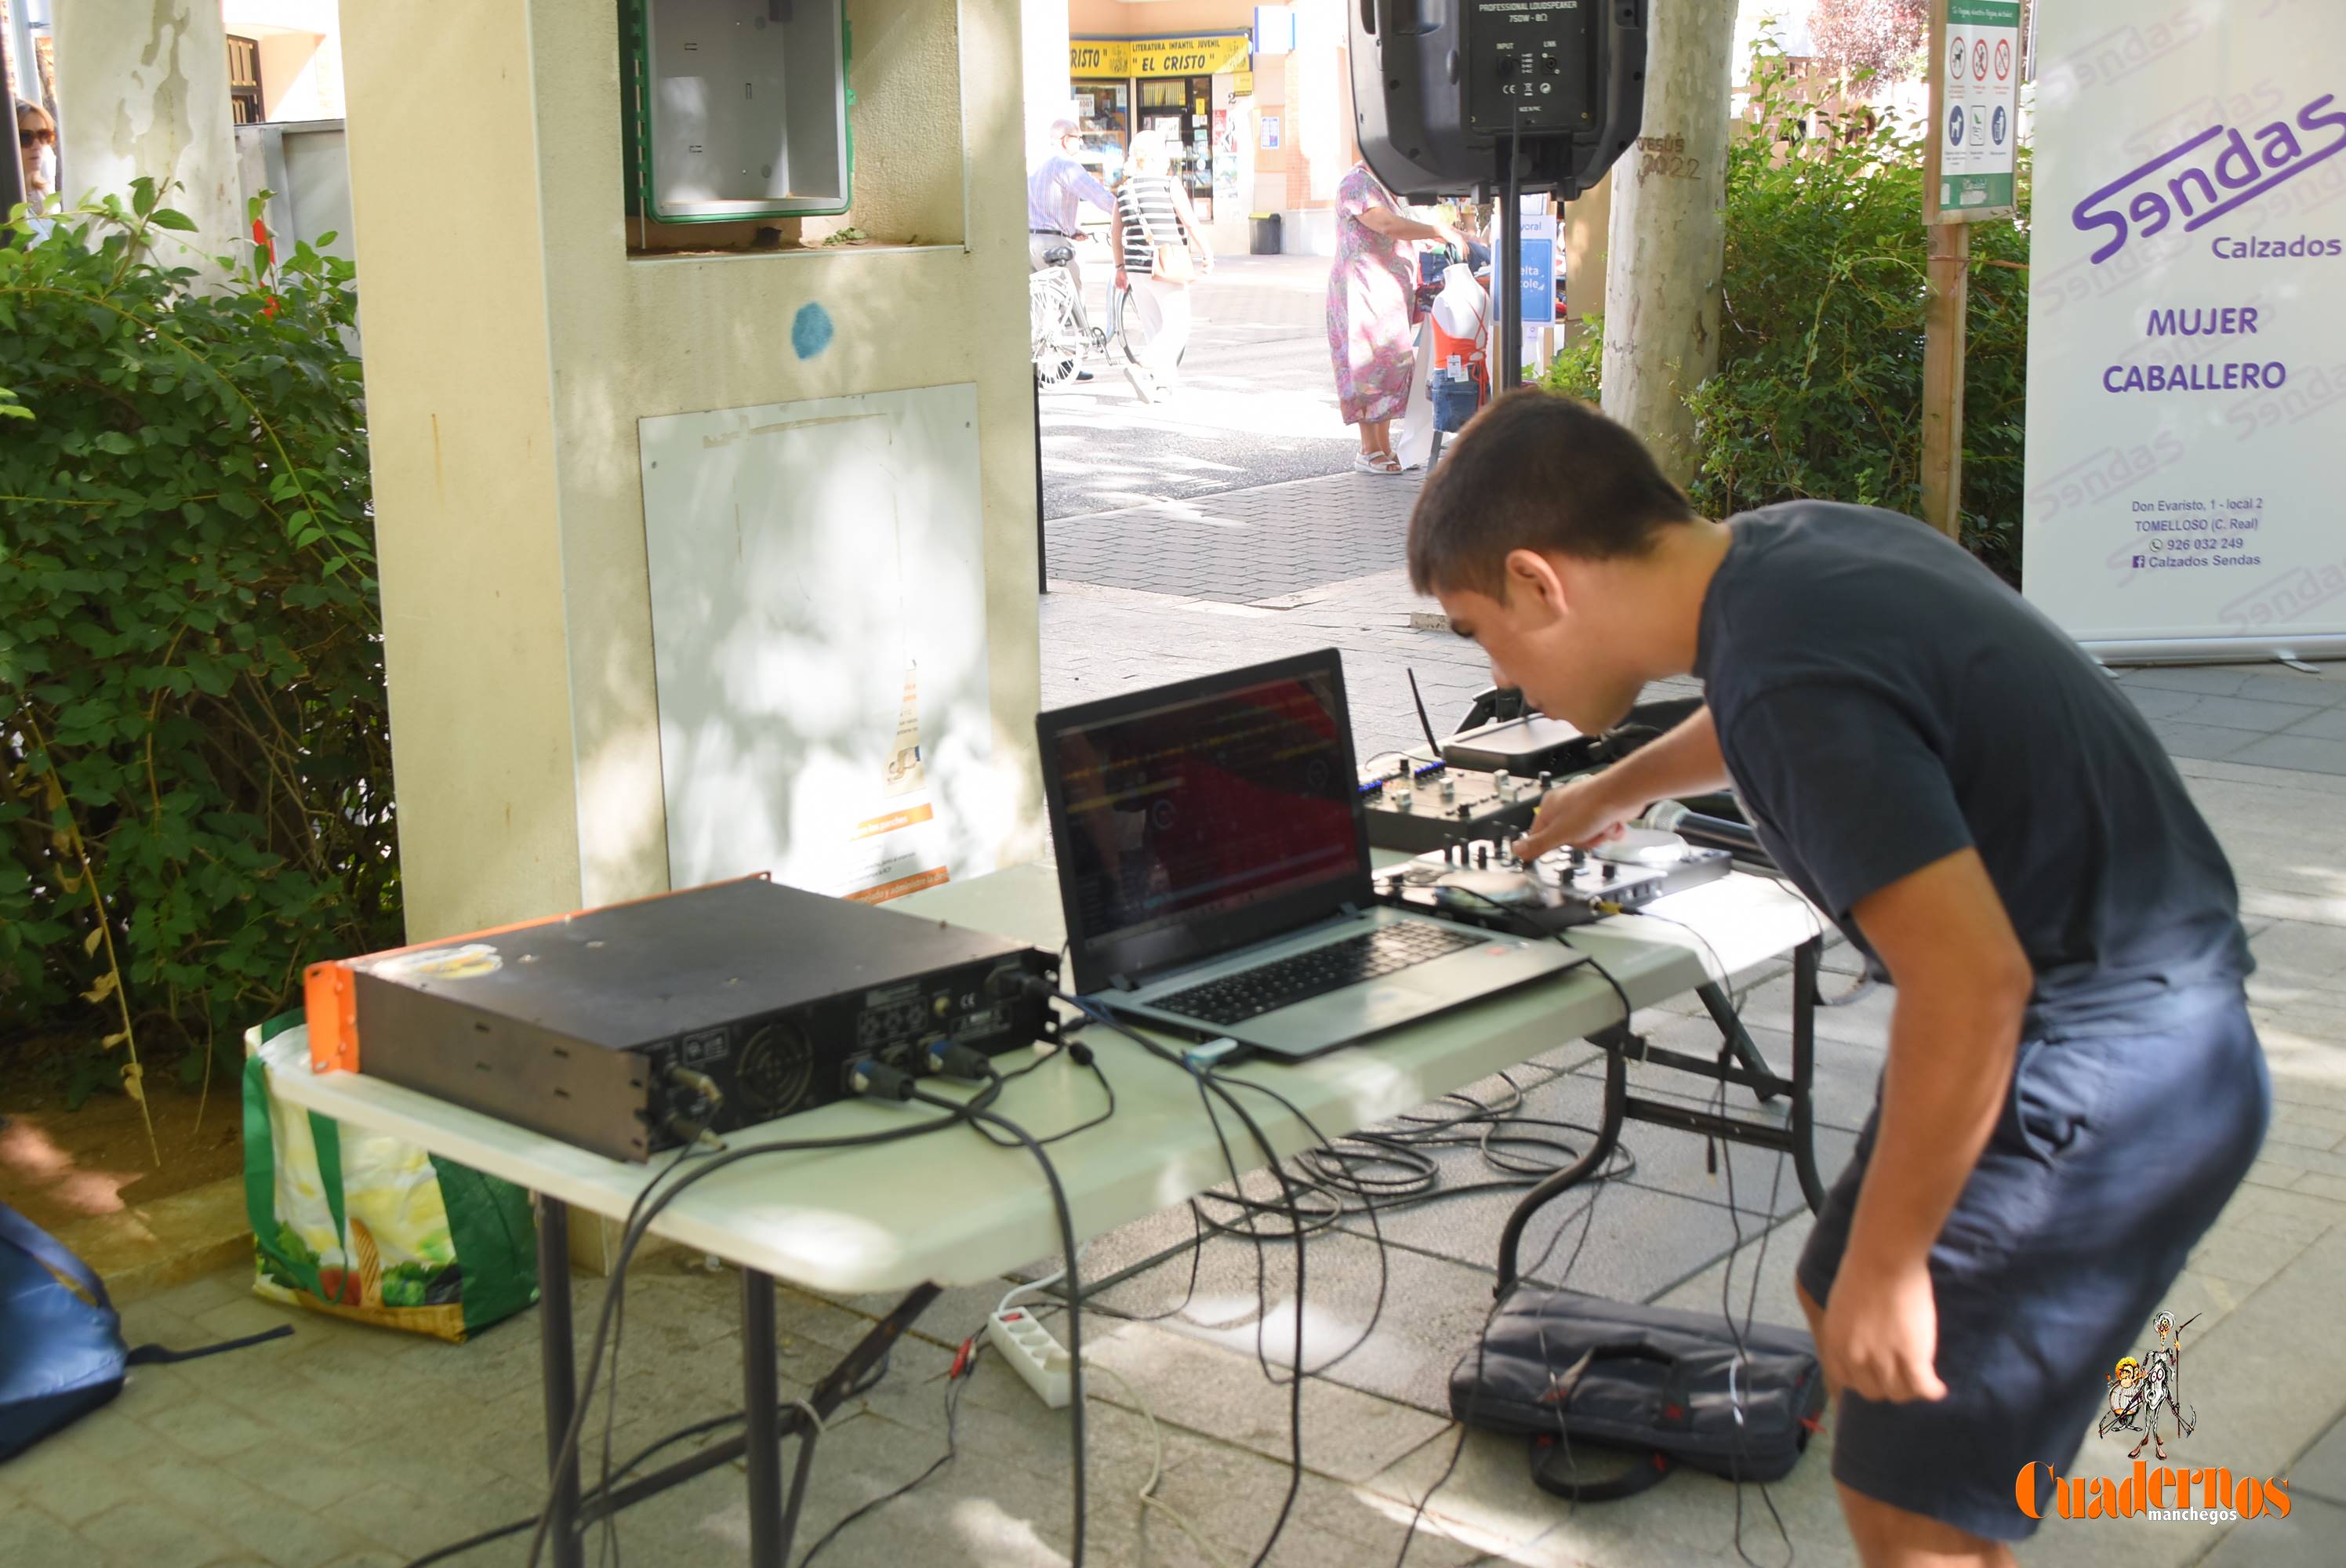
(1294, 1382)
(609, 1550)
(1727, 1275)
(976, 1111)
(952, 1450)
(1206, 1081)
(1432, 1125)
(1588, 1210)
(472, 1543)
(789, 1530)
(1086, 1060)
(1532, 928)
(1384, 1269)
(1727, 1281)
(1586, 1213)
(1511, 221)
(1423, 723)
(632, 1238)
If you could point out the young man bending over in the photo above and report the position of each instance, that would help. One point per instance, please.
(2073, 1089)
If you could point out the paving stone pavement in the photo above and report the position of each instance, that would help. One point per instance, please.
(1242, 546)
(1255, 401)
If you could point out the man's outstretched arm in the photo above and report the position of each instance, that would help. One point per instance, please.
(1964, 984)
(1583, 811)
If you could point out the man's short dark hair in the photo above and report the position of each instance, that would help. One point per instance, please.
(1537, 471)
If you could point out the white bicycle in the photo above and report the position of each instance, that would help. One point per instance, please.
(1056, 338)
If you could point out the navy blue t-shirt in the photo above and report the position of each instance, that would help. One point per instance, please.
(1884, 701)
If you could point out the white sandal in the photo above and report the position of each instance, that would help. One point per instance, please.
(1378, 463)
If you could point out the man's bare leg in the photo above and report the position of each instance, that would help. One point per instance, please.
(1888, 1537)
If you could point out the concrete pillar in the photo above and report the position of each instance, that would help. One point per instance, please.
(1319, 132)
(142, 89)
(1668, 233)
(1043, 39)
(514, 343)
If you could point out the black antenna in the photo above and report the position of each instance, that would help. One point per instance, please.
(1422, 722)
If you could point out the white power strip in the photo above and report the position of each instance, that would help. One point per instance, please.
(1030, 1348)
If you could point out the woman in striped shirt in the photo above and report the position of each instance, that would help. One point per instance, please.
(1153, 214)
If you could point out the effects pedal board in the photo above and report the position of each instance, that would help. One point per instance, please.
(1482, 884)
(638, 1027)
(1420, 806)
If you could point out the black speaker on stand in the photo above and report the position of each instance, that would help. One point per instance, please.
(1452, 97)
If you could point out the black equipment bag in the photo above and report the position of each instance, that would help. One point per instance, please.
(1568, 1369)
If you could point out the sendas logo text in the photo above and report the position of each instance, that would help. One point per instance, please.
(2147, 1490)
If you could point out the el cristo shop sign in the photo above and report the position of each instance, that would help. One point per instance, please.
(1204, 56)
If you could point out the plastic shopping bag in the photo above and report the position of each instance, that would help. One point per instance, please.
(364, 1226)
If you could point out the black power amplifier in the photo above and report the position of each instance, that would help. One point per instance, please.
(608, 1029)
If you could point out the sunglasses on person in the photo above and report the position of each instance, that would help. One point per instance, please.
(34, 138)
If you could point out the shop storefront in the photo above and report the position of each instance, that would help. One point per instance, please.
(1193, 91)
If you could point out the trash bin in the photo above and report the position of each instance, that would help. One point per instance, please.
(1264, 239)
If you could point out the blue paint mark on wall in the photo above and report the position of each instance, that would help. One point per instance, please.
(810, 331)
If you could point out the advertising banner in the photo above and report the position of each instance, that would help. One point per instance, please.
(2187, 374)
(1538, 280)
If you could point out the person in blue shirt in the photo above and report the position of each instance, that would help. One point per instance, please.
(2073, 1088)
(1056, 192)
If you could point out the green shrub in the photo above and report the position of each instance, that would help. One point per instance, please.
(194, 757)
(1818, 390)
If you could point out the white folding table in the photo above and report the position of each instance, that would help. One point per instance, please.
(951, 1209)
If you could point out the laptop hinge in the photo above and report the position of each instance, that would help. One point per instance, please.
(1121, 982)
(1348, 909)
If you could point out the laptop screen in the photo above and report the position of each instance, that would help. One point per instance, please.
(1186, 824)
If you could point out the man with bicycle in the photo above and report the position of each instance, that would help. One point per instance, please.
(1056, 192)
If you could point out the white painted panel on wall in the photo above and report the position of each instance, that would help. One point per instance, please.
(819, 641)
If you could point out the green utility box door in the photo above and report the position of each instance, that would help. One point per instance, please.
(737, 109)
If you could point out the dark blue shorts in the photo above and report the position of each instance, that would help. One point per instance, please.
(2112, 1158)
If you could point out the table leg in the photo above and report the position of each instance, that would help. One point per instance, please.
(1747, 1051)
(1608, 1132)
(559, 1367)
(763, 1427)
(1804, 1071)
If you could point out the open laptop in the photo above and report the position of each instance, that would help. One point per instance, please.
(1214, 869)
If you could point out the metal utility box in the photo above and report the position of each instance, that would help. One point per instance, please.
(736, 109)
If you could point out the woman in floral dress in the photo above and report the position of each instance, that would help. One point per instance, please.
(1370, 336)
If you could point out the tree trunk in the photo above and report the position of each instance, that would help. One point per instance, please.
(1587, 232)
(142, 88)
(1668, 233)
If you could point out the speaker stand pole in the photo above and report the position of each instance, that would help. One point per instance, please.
(1507, 271)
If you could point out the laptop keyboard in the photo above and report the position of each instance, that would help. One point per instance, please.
(1234, 998)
